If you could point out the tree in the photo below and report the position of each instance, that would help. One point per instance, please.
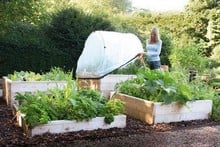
(22, 10)
(213, 29)
(120, 5)
(216, 54)
(202, 19)
(107, 7)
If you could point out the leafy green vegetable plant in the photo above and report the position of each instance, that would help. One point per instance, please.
(164, 86)
(216, 108)
(55, 74)
(155, 85)
(69, 103)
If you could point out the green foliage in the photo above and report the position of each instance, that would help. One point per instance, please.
(36, 109)
(213, 28)
(120, 5)
(157, 86)
(210, 92)
(24, 76)
(216, 54)
(114, 106)
(188, 57)
(70, 28)
(166, 87)
(130, 68)
(203, 23)
(25, 47)
(26, 10)
(166, 49)
(216, 108)
(217, 70)
(55, 74)
(50, 33)
(201, 90)
(45, 34)
(110, 7)
(37, 48)
(69, 103)
(110, 109)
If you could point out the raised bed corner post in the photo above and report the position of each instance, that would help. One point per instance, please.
(93, 84)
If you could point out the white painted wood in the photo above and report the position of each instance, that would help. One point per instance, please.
(36, 85)
(167, 118)
(63, 126)
(165, 113)
(204, 106)
(193, 110)
(11, 87)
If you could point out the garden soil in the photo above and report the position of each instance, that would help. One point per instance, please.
(200, 133)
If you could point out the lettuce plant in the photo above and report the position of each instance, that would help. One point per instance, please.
(55, 74)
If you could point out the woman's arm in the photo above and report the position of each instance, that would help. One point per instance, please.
(159, 47)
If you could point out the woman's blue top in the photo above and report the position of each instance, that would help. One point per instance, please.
(153, 50)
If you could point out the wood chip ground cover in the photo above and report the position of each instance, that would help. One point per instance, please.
(136, 133)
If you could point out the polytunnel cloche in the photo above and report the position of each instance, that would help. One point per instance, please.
(105, 51)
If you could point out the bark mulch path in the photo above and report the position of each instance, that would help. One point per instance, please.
(136, 133)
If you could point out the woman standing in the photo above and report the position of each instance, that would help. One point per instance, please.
(153, 49)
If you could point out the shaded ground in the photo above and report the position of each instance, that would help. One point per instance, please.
(136, 134)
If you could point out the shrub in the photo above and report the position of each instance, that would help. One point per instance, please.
(216, 54)
(166, 49)
(188, 57)
(69, 30)
(25, 47)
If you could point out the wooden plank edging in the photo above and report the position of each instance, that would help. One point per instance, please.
(153, 113)
(64, 126)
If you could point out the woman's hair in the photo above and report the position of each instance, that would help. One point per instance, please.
(154, 35)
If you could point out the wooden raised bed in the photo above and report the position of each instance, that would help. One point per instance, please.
(11, 87)
(104, 85)
(63, 126)
(153, 113)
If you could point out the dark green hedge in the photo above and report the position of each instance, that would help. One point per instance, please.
(25, 47)
(69, 30)
(38, 48)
